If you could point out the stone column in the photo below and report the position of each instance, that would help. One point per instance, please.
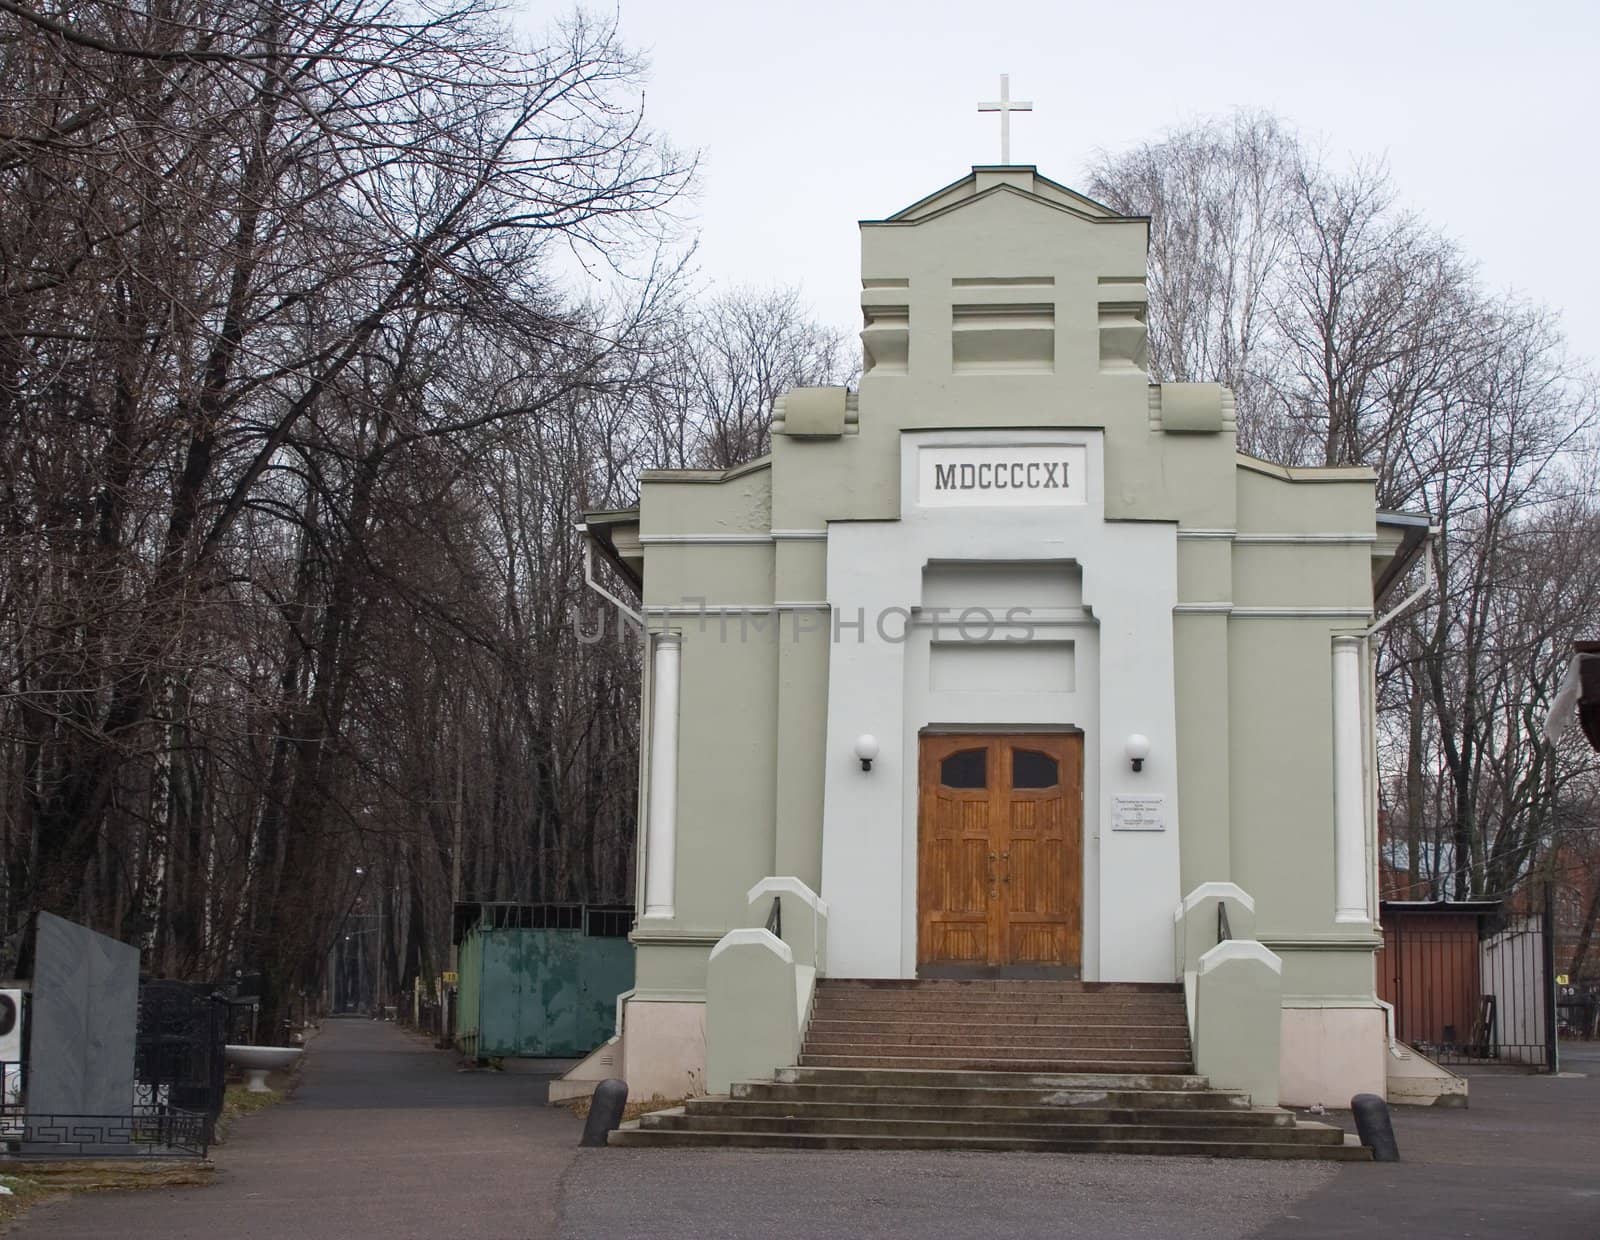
(661, 834)
(1349, 785)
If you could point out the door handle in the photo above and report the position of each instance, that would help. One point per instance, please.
(989, 874)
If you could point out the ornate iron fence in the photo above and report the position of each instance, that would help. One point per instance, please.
(178, 1053)
(154, 1128)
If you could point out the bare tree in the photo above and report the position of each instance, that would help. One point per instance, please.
(1356, 334)
(241, 246)
(1220, 198)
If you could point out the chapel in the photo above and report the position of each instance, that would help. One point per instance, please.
(1005, 691)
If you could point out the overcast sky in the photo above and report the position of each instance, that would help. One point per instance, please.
(813, 114)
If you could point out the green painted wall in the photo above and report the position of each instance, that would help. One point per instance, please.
(1255, 785)
(537, 993)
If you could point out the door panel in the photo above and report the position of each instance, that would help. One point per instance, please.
(954, 867)
(1000, 866)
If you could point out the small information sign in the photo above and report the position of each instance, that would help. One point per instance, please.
(1141, 813)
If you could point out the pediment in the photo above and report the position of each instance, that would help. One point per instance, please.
(987, 182)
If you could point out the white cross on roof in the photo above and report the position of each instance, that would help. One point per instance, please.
(1005, 105)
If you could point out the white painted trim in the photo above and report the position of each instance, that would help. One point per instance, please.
(661, 848)
(1303, 613)
(668, 996)
(1314, 1002)
(1239, 949)
(1429, 585)
(787, 886)
(1388, 1022)
(1333, 538)
(702, 540)
(735, 609)
(641, 792)
(1214, 891)
(644, 932)
(1325, 943)
(589, 580)
(753, 936)
(1349, 786)
(1272, 613)
(732, 540)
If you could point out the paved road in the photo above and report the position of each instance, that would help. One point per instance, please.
(384, 1140)
(1524, 1161)
(694, 1194)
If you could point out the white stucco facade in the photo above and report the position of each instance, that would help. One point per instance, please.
(1121, 678)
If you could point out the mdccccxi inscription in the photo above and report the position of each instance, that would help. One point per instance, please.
(1002, 476)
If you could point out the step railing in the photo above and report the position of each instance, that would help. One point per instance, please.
(1233, 991)
(760, 983)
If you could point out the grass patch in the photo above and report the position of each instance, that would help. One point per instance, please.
(238, 1101)
(40, 1181)
(31, 1183)
(25, 1191)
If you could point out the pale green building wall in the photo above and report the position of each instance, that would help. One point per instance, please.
(1253, 689)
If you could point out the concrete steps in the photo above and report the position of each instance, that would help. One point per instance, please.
(1082, 1131)
(980, 1112)
(990, 1061)
(918, 1033)
(944, 986)
(1051, 1067)
(1054, 1088)
(1215, 1147)
(975, 1026)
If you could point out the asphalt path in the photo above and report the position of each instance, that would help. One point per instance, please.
(385, 1139)
(1522, 1161)
(946, 1195)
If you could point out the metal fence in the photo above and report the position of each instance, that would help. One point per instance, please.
(1472, 985)
(1578, 1012)
(153, 1129)
(178, 1050)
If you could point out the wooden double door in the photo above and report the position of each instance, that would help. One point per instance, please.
(1000, 855)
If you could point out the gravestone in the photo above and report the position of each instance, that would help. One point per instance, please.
(85, 1014)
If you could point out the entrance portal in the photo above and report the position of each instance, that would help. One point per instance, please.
(1000, 855)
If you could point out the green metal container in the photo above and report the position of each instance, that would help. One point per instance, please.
(539, 979)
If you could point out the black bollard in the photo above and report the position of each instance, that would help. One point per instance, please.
(1374, 1127)
(605, 1111)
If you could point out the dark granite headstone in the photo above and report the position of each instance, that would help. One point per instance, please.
(85, 1015)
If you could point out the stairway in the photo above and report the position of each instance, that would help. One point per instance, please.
(1054, 1067)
